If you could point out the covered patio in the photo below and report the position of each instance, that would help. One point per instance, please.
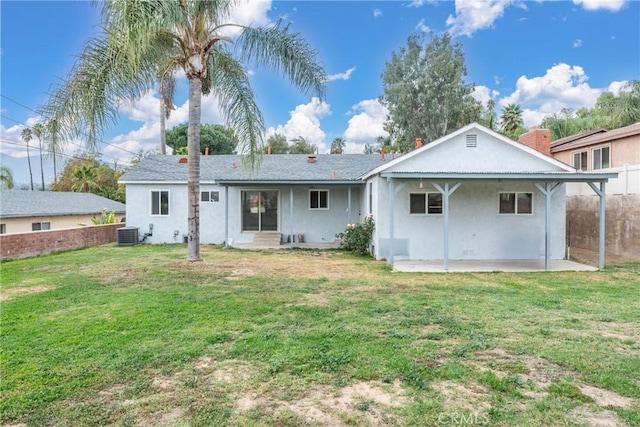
(489, 266)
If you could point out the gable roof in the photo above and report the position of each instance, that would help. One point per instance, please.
(586, 139)
(527, 151)
(572, 138)
(23, 203)
(276, 168)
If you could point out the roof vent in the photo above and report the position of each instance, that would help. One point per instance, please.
(183, 160)
(311, 158)
(472, 141)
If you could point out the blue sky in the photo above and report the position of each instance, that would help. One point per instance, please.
(542, 55)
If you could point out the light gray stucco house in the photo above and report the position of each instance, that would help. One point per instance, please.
(473, 194)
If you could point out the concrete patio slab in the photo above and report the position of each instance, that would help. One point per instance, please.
(506, 265)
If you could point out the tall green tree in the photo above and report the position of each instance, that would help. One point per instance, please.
(216, 138)
(142, 37)
(489, 117)
(337, 146)
(84, 179)
(300, 145)
(278, 144)
(425, 91)
(511, 123)
(85, 172)
(369, 149)
(52, 132)
(38, 131)
(26, 136)
(6, 177)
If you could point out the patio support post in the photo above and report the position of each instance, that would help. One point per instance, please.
(601, 232)
(291, 215)
(392, 202)
(547, 191)
(226, 215)
(349, 205)
(446, 192)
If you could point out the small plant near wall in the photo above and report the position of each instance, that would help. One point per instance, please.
(356, 238)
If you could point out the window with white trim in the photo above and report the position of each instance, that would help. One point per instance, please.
(160, 203)
(39, 226)
(425, 203)
(3, 228)
(210, 196)
(318, 199)
(580, 160)
(516, 203)
(601, 157)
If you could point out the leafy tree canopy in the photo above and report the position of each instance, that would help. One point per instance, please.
(217, 138)
(278, 143)
(85, 173)
(300, 145)
(425, 91)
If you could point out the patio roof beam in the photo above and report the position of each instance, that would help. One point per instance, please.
(505, 176)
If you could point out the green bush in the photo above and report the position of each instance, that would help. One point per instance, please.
(356, 238)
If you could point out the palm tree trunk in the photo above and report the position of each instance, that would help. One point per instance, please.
(193, 168)
(163, 126)
(30, 170)
(55, 169)
(41, 163)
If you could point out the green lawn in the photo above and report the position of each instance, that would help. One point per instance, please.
(138, 336)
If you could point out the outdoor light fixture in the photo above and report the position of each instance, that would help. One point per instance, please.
(421, 186)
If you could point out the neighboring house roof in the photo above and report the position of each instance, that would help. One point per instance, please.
(275, 168)
(572, 138)
(22, 203)
(593, 139)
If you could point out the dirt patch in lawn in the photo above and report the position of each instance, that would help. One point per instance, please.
(8, 294)
(367, 402)
(585, 415)
(471, 397)
(606, 398)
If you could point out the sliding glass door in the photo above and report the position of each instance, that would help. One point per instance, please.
(259, 211)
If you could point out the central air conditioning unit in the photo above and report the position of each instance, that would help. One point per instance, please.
(128, 236)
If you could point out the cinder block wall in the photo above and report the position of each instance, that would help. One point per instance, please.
(622, 224)
(20, 245)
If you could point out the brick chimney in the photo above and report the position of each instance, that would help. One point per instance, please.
(538, 139)
(418, 142)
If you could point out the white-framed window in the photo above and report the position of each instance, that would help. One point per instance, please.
(159, 202)
(600, 157)
(3, 228)
(370, 198)
(516, 203)
(39, 226)
(425, 203)
(210, 196)
(580, 160)
(318, 199)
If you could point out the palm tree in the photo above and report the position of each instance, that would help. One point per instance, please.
(139, 39)
(38, 130)
(52, 132)
(26, 136)
(6, 177)
(337, 146)
(511, 119)
(84, 179)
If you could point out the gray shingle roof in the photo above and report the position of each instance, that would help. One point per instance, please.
(275, 168)
(21, 203)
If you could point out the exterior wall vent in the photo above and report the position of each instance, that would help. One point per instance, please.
(472, 141)
(128, 236)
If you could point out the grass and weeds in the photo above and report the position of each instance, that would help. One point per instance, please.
(138, 336)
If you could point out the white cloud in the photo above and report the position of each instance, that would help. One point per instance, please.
(420, 3)
(612, 5)
(423, 27)
(474, 15)
(304, 121)
(484, 94)
(250, 12)
(377, 13)
(615, 87)
(577, 43)
(562, 86)
(341, 76)
(366, 125)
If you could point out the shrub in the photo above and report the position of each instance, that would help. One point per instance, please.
(356, 238)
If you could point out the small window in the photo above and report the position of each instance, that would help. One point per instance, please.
(580, 160)
(160, 203)
(210, 196)
(601, 158)
(3, 228)
(39, 226)
(318, 199)
(370, 198)
(425, 203)
(516, 203)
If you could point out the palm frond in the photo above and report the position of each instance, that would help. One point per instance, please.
(282, 51)
(229, 83)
